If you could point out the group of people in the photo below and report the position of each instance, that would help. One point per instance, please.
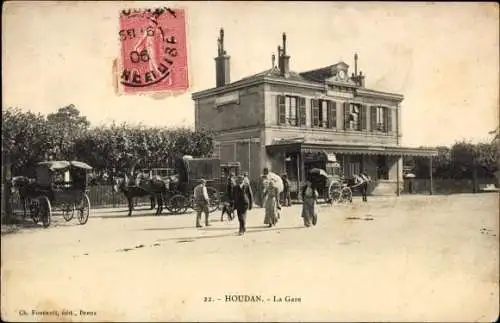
(240, 198)
(239, 195)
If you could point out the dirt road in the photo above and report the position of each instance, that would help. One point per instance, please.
(415, 258)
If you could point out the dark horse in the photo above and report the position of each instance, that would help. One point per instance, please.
(154, 188)
(25, 188)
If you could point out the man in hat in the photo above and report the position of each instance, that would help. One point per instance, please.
(201, 202)
(243, 201)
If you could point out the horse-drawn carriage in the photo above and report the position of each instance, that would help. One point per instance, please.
(329, 181)
(190, 171)
(172, 188)
(59, 185)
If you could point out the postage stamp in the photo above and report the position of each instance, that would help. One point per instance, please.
(153, 51)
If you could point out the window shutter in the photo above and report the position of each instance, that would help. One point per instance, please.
(388, 113)
(373, 118)
(302, 111)
(281, 109)
(332, 118)
(346, 115)
(315, 112)
(363, 117)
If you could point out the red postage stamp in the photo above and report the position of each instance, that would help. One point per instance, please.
(153, 50)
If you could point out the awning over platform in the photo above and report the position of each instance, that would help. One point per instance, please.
(351, 149)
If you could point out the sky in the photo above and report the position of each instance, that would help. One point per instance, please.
(444, 58)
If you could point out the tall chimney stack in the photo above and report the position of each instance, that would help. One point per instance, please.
(280, 59)
(355, 64)
(285, 59)
(222, 76)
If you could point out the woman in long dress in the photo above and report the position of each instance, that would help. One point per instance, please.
(309, 197)
(271, 196)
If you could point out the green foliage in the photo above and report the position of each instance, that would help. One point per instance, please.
(65, 126)
(460, 161)
(29, 138)
(25, 137)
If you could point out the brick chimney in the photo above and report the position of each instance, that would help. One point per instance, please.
(359, 79)
(221, 63)
(283, 58)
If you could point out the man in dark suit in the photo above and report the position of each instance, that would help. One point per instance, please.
(242, 201)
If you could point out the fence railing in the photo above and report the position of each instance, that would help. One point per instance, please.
(104, 196)
(445, 186)
(100, 196)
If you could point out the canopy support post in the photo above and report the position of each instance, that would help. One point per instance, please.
(431, 188)
(299, 161)
(397, 176)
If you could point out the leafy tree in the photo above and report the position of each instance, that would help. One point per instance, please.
(440, 164)
(486, 157)
(25, 138)
(66, 126)
(29, 138)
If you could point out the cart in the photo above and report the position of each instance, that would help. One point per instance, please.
(190, 171)
(59, 186)
(329, 182)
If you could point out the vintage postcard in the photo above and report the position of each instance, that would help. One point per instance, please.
(250, 161)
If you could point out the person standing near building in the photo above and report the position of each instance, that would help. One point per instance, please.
(261, 190)
(271, 205)
(201, 202)
(309, 197)
(286, 190)
(243, 201)
(365, 179)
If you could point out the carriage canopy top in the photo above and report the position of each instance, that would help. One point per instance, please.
(63, 164)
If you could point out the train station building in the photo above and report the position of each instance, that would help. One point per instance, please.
(292, 121)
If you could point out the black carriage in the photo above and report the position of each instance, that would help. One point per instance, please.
(62, 186)
(189, 172)
(327, 178)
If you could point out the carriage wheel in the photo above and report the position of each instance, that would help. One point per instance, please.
(214, 199)
(84, 210)
(334, 194)
(347, 194)
(26, 207)
(178, 204)
(45, 210)
(69, 212)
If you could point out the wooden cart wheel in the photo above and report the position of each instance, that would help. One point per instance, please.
(178, 204)
(26, 207)
(69, 212)
(84, 210)
(334, 193)
(213, 196)
(45, 210)
(347, 194)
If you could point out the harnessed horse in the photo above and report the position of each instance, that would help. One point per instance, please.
(155, 188)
